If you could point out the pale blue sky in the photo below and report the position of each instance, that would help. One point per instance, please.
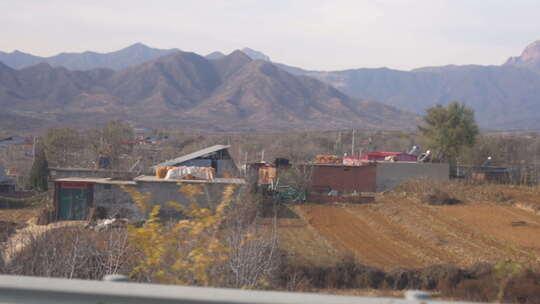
(313, 34)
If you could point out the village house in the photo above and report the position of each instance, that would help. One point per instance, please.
(79, 192)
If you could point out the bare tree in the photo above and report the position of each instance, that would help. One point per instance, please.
(254, 256)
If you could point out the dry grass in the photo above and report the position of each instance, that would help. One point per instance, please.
(468, 192)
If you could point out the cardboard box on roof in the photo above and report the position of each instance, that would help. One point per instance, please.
(327, 159)
(267, 175)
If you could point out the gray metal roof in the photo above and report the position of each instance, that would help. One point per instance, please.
(193, 155)
(148, 178)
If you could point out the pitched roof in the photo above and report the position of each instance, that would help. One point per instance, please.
(193, 155)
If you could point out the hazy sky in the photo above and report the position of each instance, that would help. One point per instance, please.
(314, 34)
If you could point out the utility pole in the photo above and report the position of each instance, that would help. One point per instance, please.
(337, 147)
(352, 149)
(34, 151)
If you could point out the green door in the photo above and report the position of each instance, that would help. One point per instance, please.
(73, 204)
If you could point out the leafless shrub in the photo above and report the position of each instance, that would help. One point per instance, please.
(484, 283)
(68, 253)
(6, 229)
(254, 257)
(439, 197)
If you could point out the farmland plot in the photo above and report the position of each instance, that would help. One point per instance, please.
(403, 233)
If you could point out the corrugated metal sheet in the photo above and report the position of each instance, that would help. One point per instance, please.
(193, 155)
(153, 179)
(206, 163)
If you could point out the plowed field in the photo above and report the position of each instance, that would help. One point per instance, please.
(302, 242)
(403, 233)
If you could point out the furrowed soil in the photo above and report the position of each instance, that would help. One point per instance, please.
(302, 242)
(398, 232)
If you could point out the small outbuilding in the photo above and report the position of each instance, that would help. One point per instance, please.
(360, 183)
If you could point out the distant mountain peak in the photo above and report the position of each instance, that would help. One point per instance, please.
(215, 55)
(138, 45)
(255, 55)
(228, 65)
(240, 54)
(529, 58)
(531, 52)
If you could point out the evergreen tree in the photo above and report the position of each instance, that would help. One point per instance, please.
(40, 171)
(449, 129)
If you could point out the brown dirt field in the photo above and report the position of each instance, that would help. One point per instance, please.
(496, 220)
(400, 232)
(302, 243)
(351, 234)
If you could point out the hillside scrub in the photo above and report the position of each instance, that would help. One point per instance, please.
(455, 191)
(483, 282)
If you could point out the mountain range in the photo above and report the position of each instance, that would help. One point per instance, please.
(140, 78)
(135, 54)
(185, 90)
(504, 97)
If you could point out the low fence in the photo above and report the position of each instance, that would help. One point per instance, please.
(18, 289)
(515, 174)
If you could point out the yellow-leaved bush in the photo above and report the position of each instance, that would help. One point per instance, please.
(186, 251)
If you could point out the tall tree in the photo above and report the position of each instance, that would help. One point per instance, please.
(61, 145)
(116, 141)
(40, 170)
(449, 129)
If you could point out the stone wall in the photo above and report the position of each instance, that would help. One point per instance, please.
(113, 198)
